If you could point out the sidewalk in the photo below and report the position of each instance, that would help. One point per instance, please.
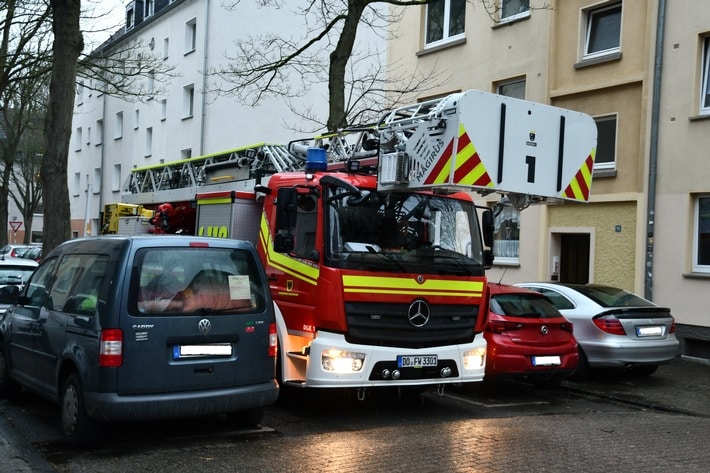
(681, 386)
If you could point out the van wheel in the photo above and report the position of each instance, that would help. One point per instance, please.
(8, 388)
(78, 428)
(247, 418)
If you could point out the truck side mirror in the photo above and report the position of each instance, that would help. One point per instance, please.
(488, 258)
(286, 209)
(487, 227)
(283, 243)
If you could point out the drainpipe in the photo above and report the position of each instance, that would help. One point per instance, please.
(653, 156)
(205, 63)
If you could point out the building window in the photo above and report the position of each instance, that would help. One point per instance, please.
(603, 34)
(445, 21)
(130, 17)
(116, 178)
(96, 188)
(79, 93)
(166, 47)
(99, 132)
(506, 236)
(149, 8)
(148, 142)
(606, 142)
(118, 126)
(190, 36)
(705, 84)
(76, 184)
(77, 141)
(188, 101)
(513, 88)
(701, 240)
(186, 153)
(514, 9)
(163, 109)
(151, 84)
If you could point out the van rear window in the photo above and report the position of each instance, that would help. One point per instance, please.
(195, 280)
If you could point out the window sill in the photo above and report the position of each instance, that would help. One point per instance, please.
(510, 21)
(433, 49)
(696, 275)
(603, 173)
(700, 117)
(598, 60)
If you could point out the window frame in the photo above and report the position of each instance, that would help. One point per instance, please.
(516, 16)
(611, 164)
(590, 16)
(446, 25)
(190, 36)
(697, 266)
(704, 100)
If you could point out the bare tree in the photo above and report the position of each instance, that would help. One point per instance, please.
(68, 44)
(262, 64)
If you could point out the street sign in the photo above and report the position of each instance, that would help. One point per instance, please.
(15, 224)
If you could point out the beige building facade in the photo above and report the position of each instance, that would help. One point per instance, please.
(597, 57)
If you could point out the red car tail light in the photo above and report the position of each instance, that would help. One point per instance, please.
(672, 325)
(111, 348)
(567, 326)
(609, 324)
(273, 340)
(500, 326)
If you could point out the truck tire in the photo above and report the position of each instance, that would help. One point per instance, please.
(79, 430)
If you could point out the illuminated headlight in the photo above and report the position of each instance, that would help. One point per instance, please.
(474, 359)
(342, 361)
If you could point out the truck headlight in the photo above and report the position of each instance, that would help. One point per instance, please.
(474, 359)
(339, 361)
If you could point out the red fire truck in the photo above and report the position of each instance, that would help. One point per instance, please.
(373, 246)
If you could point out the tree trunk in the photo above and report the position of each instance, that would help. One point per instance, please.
(68, 43)
(338, 63)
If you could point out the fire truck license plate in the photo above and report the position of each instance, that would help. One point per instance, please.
(416, 361)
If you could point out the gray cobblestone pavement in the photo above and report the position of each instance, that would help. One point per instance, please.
(682, 386)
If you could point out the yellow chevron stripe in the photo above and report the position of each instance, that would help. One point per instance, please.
(298, 270)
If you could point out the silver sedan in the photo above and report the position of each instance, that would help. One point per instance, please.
(613, 327)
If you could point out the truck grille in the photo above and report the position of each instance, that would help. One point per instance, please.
(380, 324)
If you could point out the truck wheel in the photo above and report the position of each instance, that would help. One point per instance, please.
(78, 428)
(8, 388)
(247, 418)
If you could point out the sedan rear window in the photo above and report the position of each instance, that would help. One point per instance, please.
(195, 280)
(607, 296)
(523, 305)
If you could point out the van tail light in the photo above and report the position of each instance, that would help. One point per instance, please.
(672, 325)
(111, 348)
(500, 326)
(273, 340)
(609, 324)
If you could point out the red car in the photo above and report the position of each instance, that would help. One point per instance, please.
(528, 337)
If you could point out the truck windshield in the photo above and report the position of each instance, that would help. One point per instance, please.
(402, 232)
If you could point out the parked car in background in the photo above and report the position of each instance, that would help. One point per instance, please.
(14, 251)
(528, 337)
(33, 253)
(135, 328)
(614, 328)
(14, 272)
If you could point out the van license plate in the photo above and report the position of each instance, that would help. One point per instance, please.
(416, 361)
(209, 349)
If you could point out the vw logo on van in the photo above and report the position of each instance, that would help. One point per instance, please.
(418, 313)
(204, 325)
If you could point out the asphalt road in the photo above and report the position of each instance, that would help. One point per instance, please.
(612, 422)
